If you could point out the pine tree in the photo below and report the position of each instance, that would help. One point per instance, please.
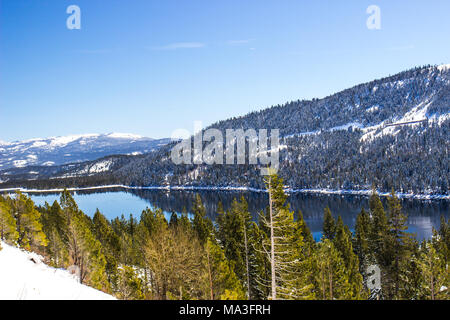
(68, 204)
(221, 223)
(173, 222)
(343, 244)
(441, 239)
(8, 231)
(110, 245)
(85, 251)
(174, 258)
(259, 264)
(329, 224)
(411, 275)
(221, 280)
(399, 242)
(285, 247)
(233, 227)
(129, 285)
(330, 273)
(54, 226)
(184, 223)
(379, 238)
(127, 238)
(28, 225)
(201, 224)
(304, 230)
(435, 271)
(361, 240)
(246, 219)
(307, 251)
(379, 226)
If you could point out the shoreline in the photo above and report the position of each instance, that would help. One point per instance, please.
(365, 193)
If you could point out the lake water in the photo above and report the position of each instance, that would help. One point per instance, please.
(422, 215)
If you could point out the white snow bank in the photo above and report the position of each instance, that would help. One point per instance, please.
(118, 135)
(24, 279)
(347, 126)
(411, 118)
(444, 67)
(65, 140)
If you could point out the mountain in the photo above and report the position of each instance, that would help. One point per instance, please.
(76, 148)
(392, 132)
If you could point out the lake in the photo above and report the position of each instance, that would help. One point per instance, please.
(423, 215)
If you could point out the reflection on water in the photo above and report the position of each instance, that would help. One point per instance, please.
(422, 215)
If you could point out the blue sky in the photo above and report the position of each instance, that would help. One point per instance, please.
(150, 67)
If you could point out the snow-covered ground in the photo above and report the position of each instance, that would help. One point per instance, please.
(23, 276)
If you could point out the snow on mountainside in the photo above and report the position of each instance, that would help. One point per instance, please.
(444, 67)
(23, 276)
(74, 148)
(368, 104)
(393, 132)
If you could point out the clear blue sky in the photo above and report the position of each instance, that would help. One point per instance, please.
(150, 67)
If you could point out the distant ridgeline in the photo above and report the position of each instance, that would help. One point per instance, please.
(393, 132)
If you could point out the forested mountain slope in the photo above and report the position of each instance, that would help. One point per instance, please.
(349, 140)
(393, 132)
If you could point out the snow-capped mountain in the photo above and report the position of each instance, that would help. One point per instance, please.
(75, 148)
(392, 132)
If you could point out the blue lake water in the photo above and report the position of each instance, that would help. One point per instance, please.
(423, 216)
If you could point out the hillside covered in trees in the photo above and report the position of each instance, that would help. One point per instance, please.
(276, 257)
(393, 132)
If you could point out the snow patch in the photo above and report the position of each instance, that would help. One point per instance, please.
(417, 113)
(24, 276)
(373, 109)
(101, 166)
(117, 135)
(347, 126)
(412, 118)
(63, 141)
(20, 163)
(38, 144)
(444, 67)
(439, 119)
